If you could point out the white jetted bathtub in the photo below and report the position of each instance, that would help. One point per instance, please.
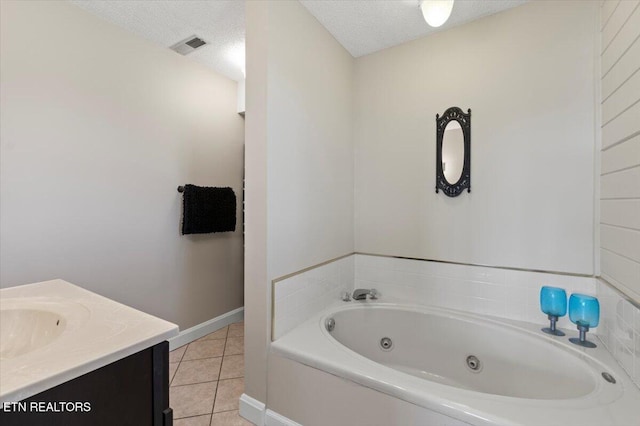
(476, 369)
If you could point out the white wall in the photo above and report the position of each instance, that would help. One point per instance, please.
(620, 155)
(256, 282)
(620, 182)
(98, 128)
(310, 148)
(528, 76)
(303, 131)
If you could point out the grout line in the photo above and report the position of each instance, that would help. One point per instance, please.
(211, 413)
(174, 375)
(191, 384)
(179, 362)
(225, 411)
(200, 359)
(206, 340)
(220, 367)
(190, 417)
(224, 350)
(215, 396)
(178, 367)
(231, 378)
(184, 352)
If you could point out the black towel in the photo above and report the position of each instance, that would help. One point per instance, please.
(208, 210)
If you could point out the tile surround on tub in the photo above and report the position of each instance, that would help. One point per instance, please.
(506, 293)
(298, 297)
(620, 329)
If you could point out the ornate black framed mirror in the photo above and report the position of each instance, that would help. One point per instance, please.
(453, 151)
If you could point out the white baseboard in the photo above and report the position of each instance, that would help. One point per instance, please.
(274, 419)
(200, 330)
(252, 409)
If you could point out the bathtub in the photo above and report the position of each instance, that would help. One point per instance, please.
(470, 368)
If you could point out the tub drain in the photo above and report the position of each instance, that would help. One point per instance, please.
(474, 363)
(386, 344)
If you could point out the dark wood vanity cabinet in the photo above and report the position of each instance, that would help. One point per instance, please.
(133, 391)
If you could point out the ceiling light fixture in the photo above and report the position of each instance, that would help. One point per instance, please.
(436, 12)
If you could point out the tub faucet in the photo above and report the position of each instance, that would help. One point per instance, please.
(361, 294)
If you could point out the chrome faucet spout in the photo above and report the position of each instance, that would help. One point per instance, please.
(362, 293)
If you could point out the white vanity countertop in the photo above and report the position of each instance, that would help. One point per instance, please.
(98, 331)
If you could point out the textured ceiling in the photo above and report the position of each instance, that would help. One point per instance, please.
(366, 26)
(361, 26)
(219, 23)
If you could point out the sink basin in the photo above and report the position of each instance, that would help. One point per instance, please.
(28, 325)
(53, 332)
(25, 330)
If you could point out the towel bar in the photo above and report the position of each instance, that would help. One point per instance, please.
(181, 188)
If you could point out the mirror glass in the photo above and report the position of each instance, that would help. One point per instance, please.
(452, 152)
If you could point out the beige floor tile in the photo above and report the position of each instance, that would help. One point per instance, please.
(229, 418)
(236, 329)
(192, 400)
(173, 366)
(229, 392)
(204, 349)
(193, 421)
(197, 371)
(176, 354)
(234, 346)
(232, 367)
(218, 334)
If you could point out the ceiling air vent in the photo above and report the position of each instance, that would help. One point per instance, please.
(188, 45)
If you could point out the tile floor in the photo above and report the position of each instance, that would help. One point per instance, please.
(207, 378)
